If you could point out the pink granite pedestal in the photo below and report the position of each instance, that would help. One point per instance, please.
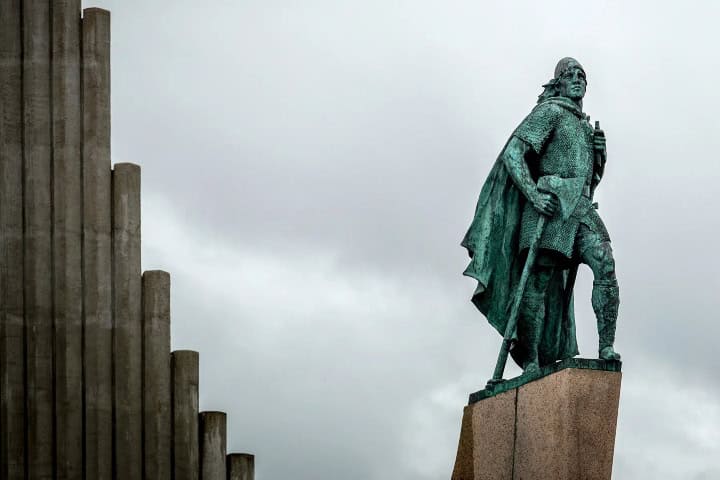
(560, 426)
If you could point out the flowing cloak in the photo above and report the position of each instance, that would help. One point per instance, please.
(496, 262)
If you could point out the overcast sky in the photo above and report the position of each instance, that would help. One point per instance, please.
(310, 167)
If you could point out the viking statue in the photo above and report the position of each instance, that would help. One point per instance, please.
(548, 170)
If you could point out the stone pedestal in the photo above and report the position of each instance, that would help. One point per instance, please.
(557, 425)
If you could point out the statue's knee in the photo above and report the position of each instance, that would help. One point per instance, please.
(534, 293)
(603, 262)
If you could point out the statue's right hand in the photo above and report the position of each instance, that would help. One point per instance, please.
(545, 203)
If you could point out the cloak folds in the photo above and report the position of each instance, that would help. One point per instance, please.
(496, 263)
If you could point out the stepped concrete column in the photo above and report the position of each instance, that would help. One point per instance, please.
(185, 379)
(38, 271)
(213, 445)
(127, 322)
(97, 244)
(157, 411)
(12, 348)
(67, 236)
(240, 466)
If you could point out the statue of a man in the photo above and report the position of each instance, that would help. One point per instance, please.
(555, 146)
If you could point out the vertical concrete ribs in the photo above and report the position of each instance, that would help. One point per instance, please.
(97, 245)
(240, 466)
(127, 321)
(156, 403)
(185, 401)
(213, 445)
(67, 212)
(89, 388)
(37, 238)
(12, 345)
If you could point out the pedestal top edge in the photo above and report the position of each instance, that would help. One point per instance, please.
(578, 363)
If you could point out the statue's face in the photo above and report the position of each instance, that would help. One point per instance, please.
(572, 83)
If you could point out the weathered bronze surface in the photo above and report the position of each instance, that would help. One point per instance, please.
(535, 222)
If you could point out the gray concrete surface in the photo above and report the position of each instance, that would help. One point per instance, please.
(12, 354)
(240, 466)
(157, 411)
(185, 380)
(38, 238)
(67, 236)
(97, 253)
(213, 445)
(127, 320)
(88, 387)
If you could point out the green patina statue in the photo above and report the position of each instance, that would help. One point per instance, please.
(535, 222)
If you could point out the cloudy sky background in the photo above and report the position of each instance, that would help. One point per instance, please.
(310, 167)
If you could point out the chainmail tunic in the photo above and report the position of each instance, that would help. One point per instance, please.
(561, 139)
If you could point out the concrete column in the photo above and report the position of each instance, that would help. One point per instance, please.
(97, 251)
(67, 236)
(12, 348)
(185, 376)
(240, 466)
(213, 445)
(127, 318)
(157, 414)
(38, 237)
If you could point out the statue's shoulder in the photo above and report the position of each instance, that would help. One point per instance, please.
(538, 126)
(547, 109)
(544, 115)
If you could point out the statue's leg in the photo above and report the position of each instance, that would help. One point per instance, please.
(532, 314)
(597, 254)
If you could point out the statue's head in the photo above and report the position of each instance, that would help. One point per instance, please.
(569, 82)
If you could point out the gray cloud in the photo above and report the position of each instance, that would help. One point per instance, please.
(309, 169)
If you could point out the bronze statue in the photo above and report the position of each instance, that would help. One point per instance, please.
(535, 222)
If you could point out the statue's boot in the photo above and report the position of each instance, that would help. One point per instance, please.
(605, 302)
(532, 314)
